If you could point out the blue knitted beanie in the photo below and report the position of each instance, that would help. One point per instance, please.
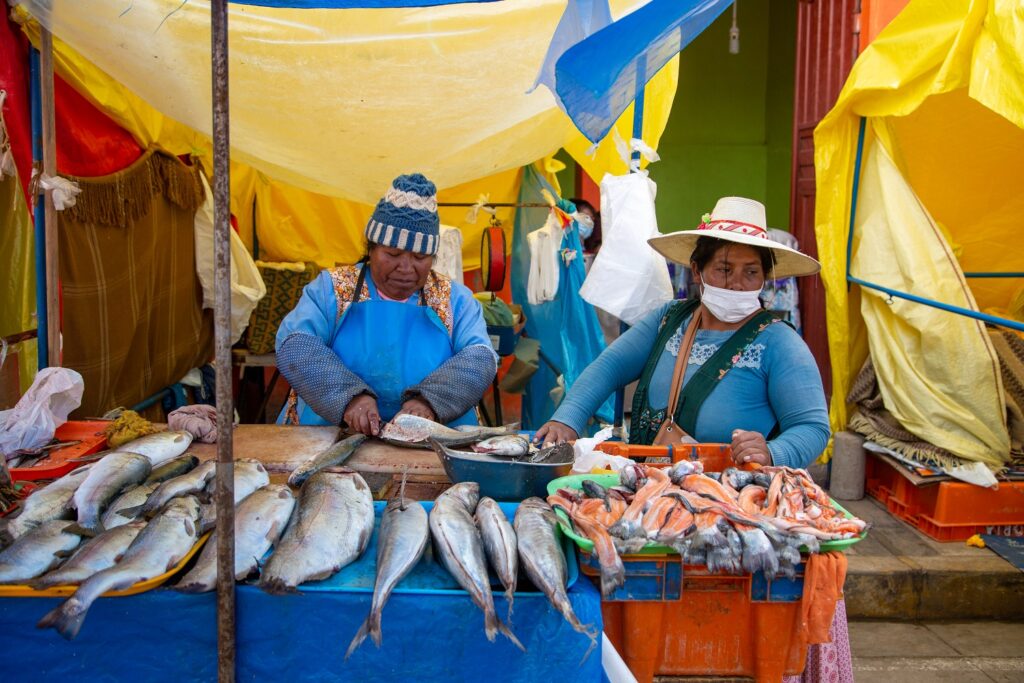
(406, 218)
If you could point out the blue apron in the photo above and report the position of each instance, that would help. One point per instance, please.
(391, 346)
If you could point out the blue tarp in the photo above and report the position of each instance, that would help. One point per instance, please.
(431, 632)
(567, 328)
(599, 77)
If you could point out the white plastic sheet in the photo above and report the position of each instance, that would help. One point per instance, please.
(54, 393)
(628, 279)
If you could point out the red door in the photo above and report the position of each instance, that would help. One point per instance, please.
(826, 45)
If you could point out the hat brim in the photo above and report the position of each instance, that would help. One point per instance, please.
(679, 246)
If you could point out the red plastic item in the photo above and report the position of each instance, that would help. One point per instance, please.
(704, 625)
(949, 510)
(715, 456)
(58, 462)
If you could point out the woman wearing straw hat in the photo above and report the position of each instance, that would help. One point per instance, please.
(387, 335)
(747, 379)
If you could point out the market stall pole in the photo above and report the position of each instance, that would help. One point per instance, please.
(225, 494)
(49, 126)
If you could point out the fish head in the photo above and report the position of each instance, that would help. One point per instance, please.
(683, 468)
(594, 490)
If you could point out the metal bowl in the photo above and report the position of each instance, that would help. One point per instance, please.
(502, 479)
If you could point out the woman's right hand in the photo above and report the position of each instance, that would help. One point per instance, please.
(555, 432)
(362, 415)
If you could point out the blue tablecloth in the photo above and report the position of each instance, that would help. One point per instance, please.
(167, 636)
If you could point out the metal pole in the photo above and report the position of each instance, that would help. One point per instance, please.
(52, 339)
(225, 495)
(38, 213)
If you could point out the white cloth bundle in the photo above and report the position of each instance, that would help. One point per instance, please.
(544, 243)
(448, 260)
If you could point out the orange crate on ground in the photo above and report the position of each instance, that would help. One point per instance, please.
(949, 510)
(671, 620)
(715, 456)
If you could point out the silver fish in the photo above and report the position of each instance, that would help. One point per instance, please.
(330, 529)
(413, 432)
(131, 499)
(335, 455)
(500, 545)
(461, 550)
(489, 431)
(542, 558)
(187, 484)
(259, 522)
(159, 447)
(250, 475)
(511, 445)
(403, 536)
(164, 541)
(54, 501)
(93, 556)
(37, 552)
(106, 479)
(172, 468)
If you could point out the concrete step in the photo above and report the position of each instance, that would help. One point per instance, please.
(898, 573)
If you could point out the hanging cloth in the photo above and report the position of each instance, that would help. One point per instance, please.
(545, 245)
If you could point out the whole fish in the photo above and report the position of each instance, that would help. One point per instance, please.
(334, 455)
(414, 432)
(500, 546)
(95, 555)
(159, 447)
(131, 499)
(106, 479)
(330, 529)
(190, 483)
(37, 552)
(172, 468)
(553, 455)
(54, 501)
(489, 431)
(259, 522)
(460, 547)
(542, 557)
(511, 445)
(164, 541)
(403, 536)
(250, 475)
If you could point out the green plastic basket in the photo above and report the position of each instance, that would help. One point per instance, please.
(575, 481)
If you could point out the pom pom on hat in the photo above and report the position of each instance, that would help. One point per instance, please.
(406, 218)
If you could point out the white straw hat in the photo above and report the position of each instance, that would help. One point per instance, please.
(740, 220)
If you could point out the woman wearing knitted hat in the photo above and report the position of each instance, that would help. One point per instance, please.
(387, 335)
(715, 369)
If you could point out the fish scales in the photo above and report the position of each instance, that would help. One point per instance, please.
(106, 479)
(499, 540)
(330, 529)
(93, 556)
(37, 552)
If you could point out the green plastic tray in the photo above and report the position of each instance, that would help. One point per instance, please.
(575, 481)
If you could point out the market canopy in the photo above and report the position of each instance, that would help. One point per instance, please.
(339, 101)
(941, 96)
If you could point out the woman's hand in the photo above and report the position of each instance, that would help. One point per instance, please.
(419, 408)
(555, 432)
(362, 415)
(750, 447)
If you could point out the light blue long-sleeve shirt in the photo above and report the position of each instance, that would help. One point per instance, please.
(776, 381)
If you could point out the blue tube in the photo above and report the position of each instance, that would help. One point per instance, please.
(853, 197)
(42, 332)
(977, 315)
(985, 274)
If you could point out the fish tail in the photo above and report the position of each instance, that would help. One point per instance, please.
(500, 626)
(67, 618)
(87, 531)
(7, 534)
(510, 592)
(297, 477)
(370, 627)
(275, 585)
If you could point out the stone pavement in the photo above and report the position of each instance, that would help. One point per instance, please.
(899, 574)
(966, 652)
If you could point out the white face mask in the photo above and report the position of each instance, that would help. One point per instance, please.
(585, 223)
(728, 305)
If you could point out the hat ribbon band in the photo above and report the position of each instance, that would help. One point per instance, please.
(735, 226)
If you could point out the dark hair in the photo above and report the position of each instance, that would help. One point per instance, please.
(592, 243)
(707, 247)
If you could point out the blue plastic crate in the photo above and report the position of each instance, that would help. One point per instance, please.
(503, 338)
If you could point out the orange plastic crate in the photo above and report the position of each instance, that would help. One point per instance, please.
(949, 510)
(715, 456)
(61, 461)
(670, 620)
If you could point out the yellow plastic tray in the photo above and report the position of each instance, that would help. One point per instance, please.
(22, 591)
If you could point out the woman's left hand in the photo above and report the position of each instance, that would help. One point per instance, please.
(750, 447)
(419, 408)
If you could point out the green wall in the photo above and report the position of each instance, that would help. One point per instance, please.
(731, 127)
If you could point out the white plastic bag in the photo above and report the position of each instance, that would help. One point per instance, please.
(247, 287)
(585, 458)
(544, 243)
(628, 279)
(449, 253)
(30, 424)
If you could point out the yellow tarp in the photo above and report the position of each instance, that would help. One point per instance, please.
(332, 104)
(942, 89)
(17, 277)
